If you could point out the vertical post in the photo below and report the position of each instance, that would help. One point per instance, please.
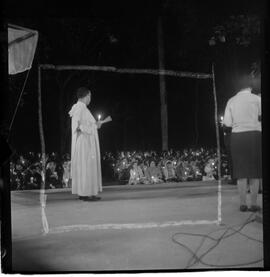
(43, 157)
(218, 144)
(162, 85)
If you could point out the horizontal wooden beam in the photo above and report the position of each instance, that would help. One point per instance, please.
(182, 74)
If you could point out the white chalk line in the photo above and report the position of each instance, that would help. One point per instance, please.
(85, 227)
(119, 226)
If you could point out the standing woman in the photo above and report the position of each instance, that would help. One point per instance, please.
(243, 114)
(85, 151)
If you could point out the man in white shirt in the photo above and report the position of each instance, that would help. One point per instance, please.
(242, 114)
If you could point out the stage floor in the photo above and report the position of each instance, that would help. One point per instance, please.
(132, 228)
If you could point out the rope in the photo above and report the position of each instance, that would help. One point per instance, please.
(19, 100)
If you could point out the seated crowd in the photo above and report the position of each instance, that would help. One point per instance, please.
(136, 167)
(151, 167)
(25, 171)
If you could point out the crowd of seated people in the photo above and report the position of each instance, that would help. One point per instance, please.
(137, 167)
(25, 171)
(129, 167)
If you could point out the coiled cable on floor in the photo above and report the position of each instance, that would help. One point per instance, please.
(199, 259)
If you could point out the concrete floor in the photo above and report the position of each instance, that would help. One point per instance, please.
(134, 228)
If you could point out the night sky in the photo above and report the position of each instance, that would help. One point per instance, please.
(100, 36)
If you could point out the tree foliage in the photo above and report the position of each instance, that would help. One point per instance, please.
(241, 30)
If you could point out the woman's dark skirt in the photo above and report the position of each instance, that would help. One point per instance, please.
(246, 154)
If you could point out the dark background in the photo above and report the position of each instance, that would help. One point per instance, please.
(124, 35)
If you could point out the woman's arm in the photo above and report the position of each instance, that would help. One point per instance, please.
(260, 109)
(228, 116)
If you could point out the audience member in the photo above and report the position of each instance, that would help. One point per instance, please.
(153, 173)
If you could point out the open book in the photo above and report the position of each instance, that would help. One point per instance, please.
(107, 119)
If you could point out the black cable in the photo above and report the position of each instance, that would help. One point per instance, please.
(226, 265)
(194, 254)
(222, 237)
(250, 238)
(199, 259)
(212, 247)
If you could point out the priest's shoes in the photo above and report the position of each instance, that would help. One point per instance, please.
(90, 198)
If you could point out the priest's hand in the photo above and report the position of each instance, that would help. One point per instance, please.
(78, 130)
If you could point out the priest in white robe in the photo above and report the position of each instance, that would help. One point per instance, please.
(85, 151)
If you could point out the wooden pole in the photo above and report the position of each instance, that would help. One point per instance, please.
(43, 158)
(173, 73)
(218, 144)
(162, 88)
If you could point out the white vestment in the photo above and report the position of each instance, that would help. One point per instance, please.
(85, 152)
